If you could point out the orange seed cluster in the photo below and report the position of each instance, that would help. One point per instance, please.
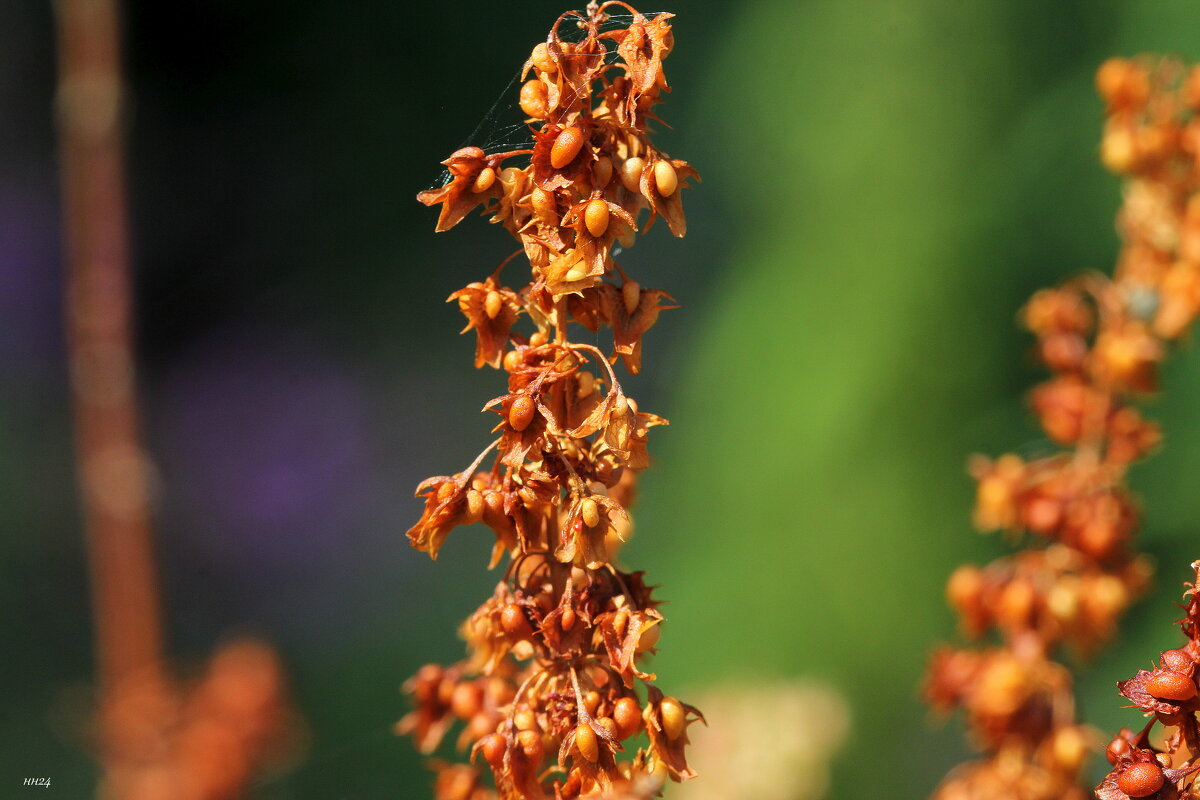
(554, 693)
(1103, 340)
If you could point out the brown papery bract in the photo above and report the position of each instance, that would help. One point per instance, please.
(1103, 339)
(554, 691)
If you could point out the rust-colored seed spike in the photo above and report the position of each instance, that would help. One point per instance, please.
(1103, 339)
(555, 676)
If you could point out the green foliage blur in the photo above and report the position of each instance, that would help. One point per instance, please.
(885, 183)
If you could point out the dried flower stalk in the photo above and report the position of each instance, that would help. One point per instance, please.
(1103, 340)
(155, 737)
(549, 691)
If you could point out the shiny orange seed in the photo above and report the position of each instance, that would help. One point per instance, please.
(567, 620)
(602, 171)
(538, 338)
(484, 180)
(520, 413)
(666, 180)
(577, 272)
(531, 745)
(1171, 686)
(534, 99)
(590, 512)
(492, 303)
(964, 587)
(586, 384)
(475, 505)
(631, 173)
(492, 746)
(628, 717)
(466, 700)
(595, 217)
(674, 718)
(1140, 780)
(1117, 749)
(512, 361)
(631, 295)
(509, 175)
(541, 58)
(566, 146)
(543, 202)
(587, 742)
(514, 622)
(608, 724)
(648, 638)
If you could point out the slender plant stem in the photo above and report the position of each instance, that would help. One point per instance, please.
(111, 463)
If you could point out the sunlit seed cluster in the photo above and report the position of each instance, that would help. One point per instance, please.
(553, 693)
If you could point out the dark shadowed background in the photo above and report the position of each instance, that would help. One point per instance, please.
(885, 182)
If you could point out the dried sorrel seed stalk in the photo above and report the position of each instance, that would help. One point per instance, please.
(1161, 764)
(1103, 340)
(549, 691)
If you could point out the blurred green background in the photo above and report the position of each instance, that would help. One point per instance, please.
(884, 184)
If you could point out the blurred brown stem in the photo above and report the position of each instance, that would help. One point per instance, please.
(111, 465)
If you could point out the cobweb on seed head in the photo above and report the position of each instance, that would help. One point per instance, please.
(503, 127)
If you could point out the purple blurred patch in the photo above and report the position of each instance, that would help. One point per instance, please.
(265, 455)
(31, 338)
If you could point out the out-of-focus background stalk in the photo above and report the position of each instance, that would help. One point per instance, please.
(884, 184)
